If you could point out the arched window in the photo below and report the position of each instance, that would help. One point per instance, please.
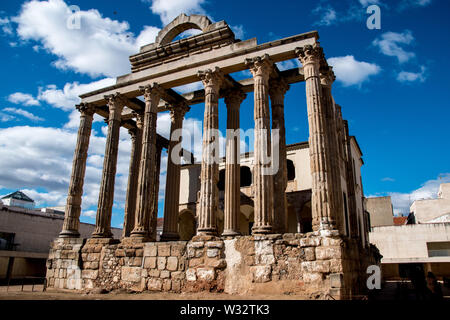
(246, 177)
(221, 183)
(290, 170)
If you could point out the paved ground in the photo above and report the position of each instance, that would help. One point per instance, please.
(391, 291)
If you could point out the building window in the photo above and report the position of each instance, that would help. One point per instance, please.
(347, 229)
(438, 249)
(221, 183)
(246, 176)
(7, 241)
(290, 170)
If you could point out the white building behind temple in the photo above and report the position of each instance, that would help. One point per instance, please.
(18, 199)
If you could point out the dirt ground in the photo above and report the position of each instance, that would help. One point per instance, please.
(15, 293)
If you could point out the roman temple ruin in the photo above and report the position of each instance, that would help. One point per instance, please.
(324, 253)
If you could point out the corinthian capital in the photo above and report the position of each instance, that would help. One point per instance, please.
(86, 109)
(139, 119)
(310, 54)
(177, 112)
(234, 98)
(115, 104)
(278, 87)
(260, 66)
(327, 76)
(152, 94)
(115, 101)
(212, 78)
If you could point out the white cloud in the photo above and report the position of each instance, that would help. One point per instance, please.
(402, 201)
(89, 213)
(328, 15)
(170, 9)
(101, 46)
(6, 117)
(68, 97)
(407, 4)
(147, 36)
(23, 113)
(5, 24)
(23, 98)
(352, 72)
(388, 179)
(36, 158)
(405, 76)
(190, 87)
(288, 64)
(238, 31)
(390, 44)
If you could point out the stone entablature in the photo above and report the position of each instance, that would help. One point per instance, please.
(213, 36)
(308, 265)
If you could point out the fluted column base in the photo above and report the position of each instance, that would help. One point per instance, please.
(230, 233)
(69, 234)
(262, 230)
(207, 232)
(102, 234)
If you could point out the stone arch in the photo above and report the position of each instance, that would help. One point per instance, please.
(181, 24)
(186, 225)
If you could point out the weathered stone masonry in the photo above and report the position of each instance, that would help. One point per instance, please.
(304, 264)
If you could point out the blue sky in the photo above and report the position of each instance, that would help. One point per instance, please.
(392, 84)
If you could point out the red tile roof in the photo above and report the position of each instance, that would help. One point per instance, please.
(160, 223)
(399, 221)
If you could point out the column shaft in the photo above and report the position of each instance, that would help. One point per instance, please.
(73, 206)
(310, 57)
(333, 134)
(133, 175)
(209, 176)
(278, 89)
(146, 181)
(106, 195)
(263, 181)
(172, 198)
(155, 194)
(232, 167)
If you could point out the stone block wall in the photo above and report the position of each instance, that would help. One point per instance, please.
(64, 264)
(304, 264)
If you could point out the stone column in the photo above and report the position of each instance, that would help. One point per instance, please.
(233, 101)
(172, 199)
(261, 69)
(278, 89)
(350, 178)
(327, 78)
(106, 195)
(73, 206)
(155, 194)
(209, 176)
(146, 181)
(310, 57)
(133, 175)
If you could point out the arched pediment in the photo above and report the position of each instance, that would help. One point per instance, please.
(179, 25)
